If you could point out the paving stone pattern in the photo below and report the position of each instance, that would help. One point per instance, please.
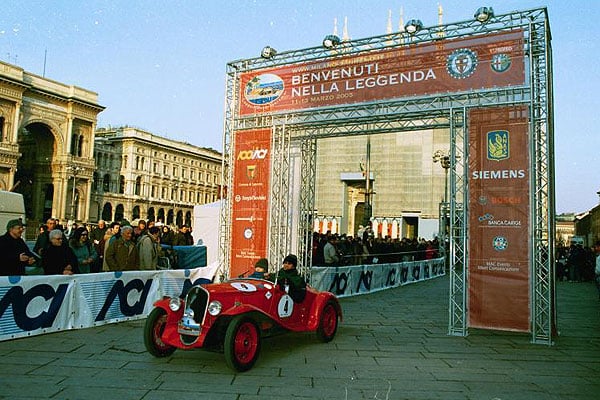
(391, 345)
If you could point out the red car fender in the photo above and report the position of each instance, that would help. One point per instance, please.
(170, 334)
(317, 309)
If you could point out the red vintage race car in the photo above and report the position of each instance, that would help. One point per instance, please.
(233, 317)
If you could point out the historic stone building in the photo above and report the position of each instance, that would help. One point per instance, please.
(51, 152)
(47, 144)
(407, 185)
(144, 176)
(565, 228)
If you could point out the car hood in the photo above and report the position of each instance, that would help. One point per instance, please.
(239, 286)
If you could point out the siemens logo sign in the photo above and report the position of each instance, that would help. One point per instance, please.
(499, 174)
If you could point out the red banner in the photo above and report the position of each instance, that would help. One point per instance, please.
(449, 65)
(250, 197)
(499, 244)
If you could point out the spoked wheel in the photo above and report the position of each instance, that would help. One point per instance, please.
(153, 330)
(242, 343)
(328, 323)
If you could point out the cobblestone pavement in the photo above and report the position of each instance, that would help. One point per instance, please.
(391, 345)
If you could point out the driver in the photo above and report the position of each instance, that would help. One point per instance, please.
(289, 280)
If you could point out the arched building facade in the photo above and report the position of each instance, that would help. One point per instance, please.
(47, 144)
(140, 175)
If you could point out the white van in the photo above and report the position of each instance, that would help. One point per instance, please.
(11, 207)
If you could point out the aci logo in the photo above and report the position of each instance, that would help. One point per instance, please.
(264, 89)
(498, 145)
(256, 154)
(461, 63)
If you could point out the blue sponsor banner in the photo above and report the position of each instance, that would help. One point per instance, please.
(32, 305)
(362, 279)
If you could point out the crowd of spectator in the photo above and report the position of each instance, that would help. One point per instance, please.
(575, 263)
(76, 249)
(366, 248)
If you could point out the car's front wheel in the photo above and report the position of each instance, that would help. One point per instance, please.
(242, 343)
(153, 330)
(328, 322)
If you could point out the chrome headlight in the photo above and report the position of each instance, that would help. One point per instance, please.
(214, 308)
(174, 303)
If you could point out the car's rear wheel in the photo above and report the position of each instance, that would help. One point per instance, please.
(153, 330)
(328, 322)
(242, 343)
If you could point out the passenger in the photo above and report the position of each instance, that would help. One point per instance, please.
(260, 269)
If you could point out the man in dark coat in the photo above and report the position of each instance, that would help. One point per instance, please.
(58, 258)
(14, 253)
(121, 253)
(289, 280)
(97, 238)
(43, 242)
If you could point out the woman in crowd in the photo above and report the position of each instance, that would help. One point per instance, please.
(83, 249)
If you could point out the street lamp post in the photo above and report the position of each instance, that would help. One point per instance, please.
(368, 212)
(74, 171)
(175, 194)
(443, 157)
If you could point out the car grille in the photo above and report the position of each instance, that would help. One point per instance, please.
(190, 325)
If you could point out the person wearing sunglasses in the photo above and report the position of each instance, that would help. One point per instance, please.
(84, 250)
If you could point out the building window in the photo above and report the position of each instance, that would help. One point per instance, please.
(138, 186)
(121, 184)
(80, 146)
(95, 182)
(2, 135)
(106, 183)
(74, 144)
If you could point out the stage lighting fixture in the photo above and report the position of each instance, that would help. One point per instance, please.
(413, 26)
(331, 41)
(268, 52)
(484, 14)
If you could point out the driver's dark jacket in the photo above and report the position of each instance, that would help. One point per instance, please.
(297, 284)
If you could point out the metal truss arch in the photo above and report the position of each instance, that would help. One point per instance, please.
(296, 134)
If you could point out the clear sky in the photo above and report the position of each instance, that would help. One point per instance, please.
(160, 64)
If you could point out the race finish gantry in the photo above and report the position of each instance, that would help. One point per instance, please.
(488, 80)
